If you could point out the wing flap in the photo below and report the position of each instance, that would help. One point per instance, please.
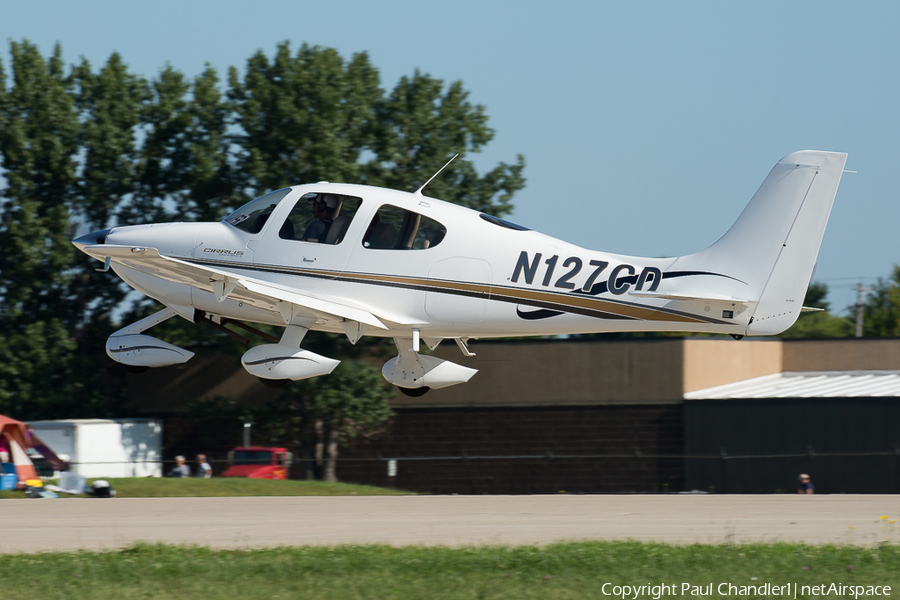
(217, 281)
(312, 303)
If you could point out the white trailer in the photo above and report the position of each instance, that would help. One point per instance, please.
(106, 447)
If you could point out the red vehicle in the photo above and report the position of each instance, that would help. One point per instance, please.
(259, 463)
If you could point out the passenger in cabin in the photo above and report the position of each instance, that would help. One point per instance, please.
(373, 226)
(323, 207)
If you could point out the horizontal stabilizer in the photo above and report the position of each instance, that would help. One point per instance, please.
(688, 297)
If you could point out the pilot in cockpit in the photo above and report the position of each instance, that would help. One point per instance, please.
(324, 207)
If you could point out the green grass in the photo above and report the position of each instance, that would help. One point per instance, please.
(570, 570)
(155, 487)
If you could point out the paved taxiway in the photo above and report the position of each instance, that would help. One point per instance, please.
(37, 525)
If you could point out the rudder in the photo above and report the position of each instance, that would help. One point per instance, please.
(782, 296)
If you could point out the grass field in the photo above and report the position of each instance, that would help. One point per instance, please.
(155, 487)
(573, 570)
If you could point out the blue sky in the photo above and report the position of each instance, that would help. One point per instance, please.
(646, 126)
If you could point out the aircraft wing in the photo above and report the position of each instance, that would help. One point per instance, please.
(224, 284)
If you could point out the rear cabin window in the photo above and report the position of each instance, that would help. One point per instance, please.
(320, 218)
(252, 216)
(394, 228)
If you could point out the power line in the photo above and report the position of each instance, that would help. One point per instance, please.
(857, 278)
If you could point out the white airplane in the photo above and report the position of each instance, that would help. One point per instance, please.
(362, 260)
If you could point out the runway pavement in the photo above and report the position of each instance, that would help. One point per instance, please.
(66, 524)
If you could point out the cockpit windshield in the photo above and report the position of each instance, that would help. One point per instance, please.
(252, 216)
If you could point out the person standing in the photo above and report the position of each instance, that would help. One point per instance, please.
(180, 469)
(203, 468)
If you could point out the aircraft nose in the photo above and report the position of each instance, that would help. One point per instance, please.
(91, 239)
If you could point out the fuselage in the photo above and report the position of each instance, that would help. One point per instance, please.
(420, 262)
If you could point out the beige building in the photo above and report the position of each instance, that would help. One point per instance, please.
(518, 373)
(643, 415)
(559, 372)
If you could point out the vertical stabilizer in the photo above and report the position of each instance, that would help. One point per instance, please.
(772, 247)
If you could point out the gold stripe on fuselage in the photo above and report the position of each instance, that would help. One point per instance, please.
(587, 305)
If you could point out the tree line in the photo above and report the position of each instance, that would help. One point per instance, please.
(86, 147)
(880, 312)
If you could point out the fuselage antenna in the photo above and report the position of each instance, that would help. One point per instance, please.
(418, 192)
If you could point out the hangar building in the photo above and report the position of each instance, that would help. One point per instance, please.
(644, 415)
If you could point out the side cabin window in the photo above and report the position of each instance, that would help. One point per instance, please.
(394, 228)
(320, 218)
(252, 216)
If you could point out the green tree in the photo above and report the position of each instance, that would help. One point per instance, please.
(313, 117)
(419, 126)
(36, 370)
(109, 103)
(162, 156)
(61, 137)
(38, 145)
(882, 310)
(211, 181)
(185, 170)
(303, 118)
(819, 324)
(352, 401)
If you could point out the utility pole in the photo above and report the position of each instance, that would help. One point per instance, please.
(860, 307)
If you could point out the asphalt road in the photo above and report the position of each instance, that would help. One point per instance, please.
(38, 525)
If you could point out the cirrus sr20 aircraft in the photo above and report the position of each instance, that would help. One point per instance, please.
(358, 260)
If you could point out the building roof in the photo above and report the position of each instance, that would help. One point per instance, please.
(55, 423)
(807, 384)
